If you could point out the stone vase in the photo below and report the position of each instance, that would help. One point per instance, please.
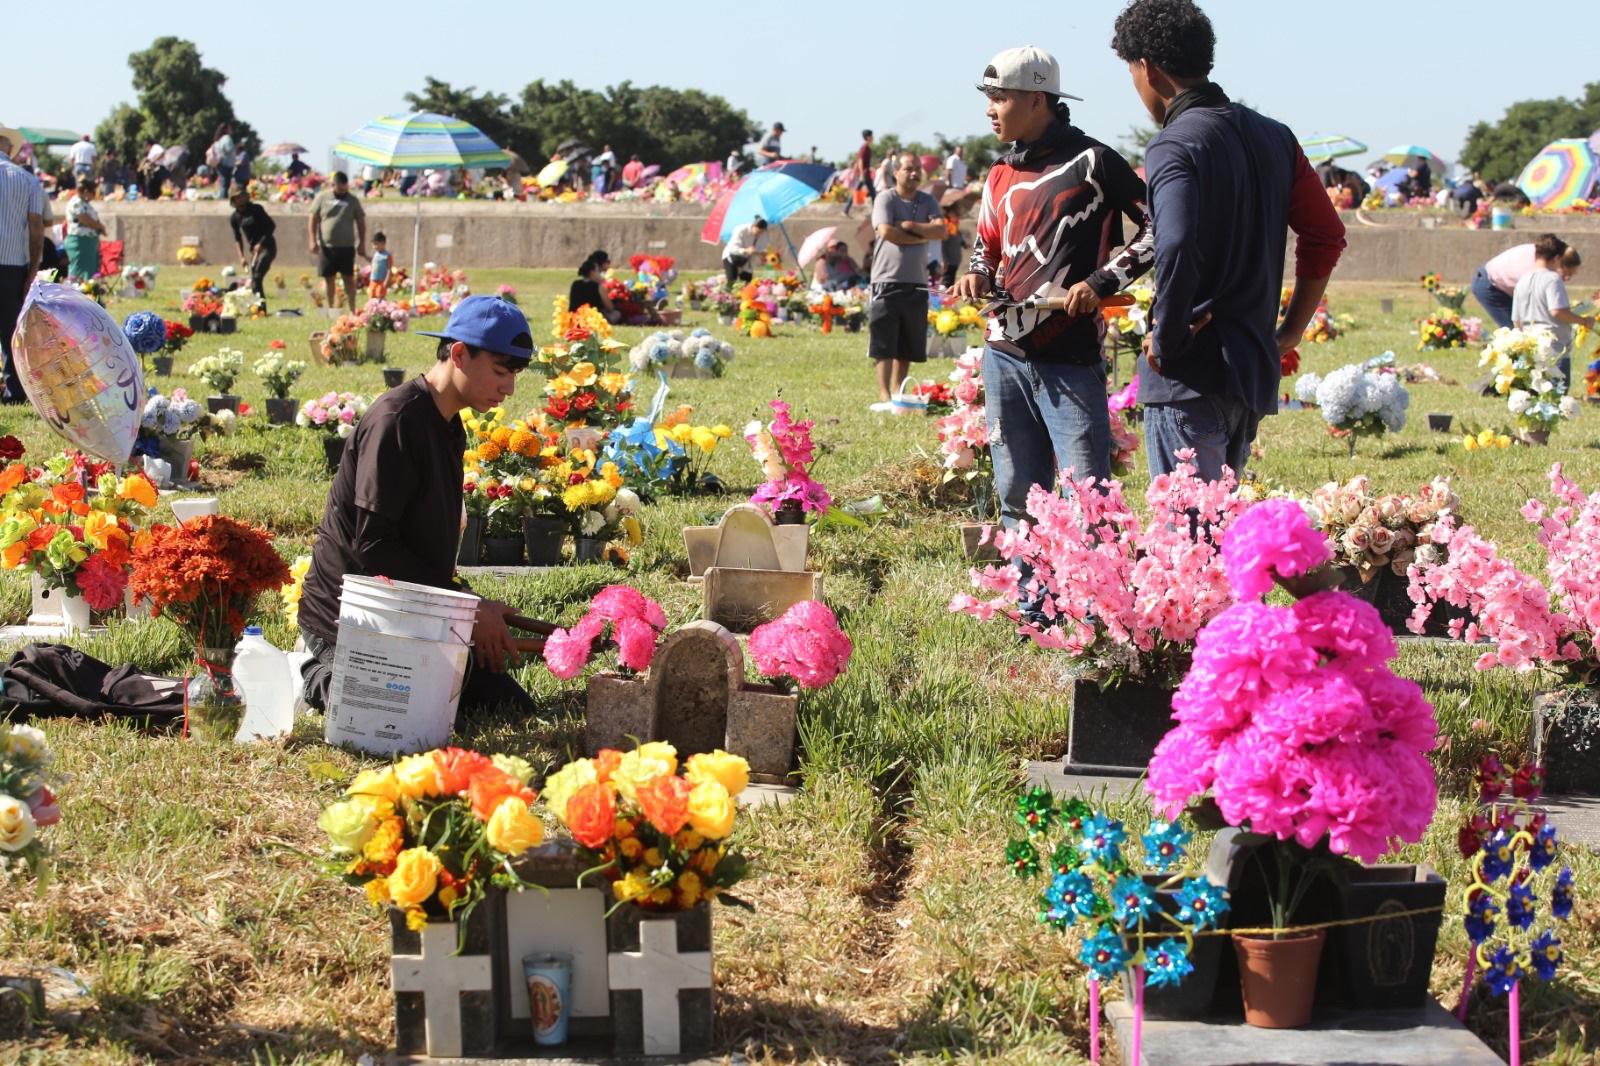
(281, 411)
(1385, 963)
(162, 365)
(484, 935)
(332, 451)
(1116, 731)
(696, 1006)
(178, 453)
(376, 340)
(588, 549)
(1440, 423)
(1566, 740)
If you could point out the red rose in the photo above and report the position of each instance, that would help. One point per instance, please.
(584, 401)
(10, 448)
(558, 409)
(576, 333)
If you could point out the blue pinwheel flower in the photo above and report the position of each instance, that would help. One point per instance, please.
(1072, 893)
(1519, 906)
(1167, 963)
(1481, 914)
(1543, 852)
(1100, 841)
(1498, 856)
(1164, 844)
(1546, 954)
(1104, 954)
(1561, 894)
(1201, 903)
(1132, 900)
(1504, 971)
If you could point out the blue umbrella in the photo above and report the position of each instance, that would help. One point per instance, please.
(1391, 179)
(774, 192)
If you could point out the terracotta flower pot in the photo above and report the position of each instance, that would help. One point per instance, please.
(1278, 978)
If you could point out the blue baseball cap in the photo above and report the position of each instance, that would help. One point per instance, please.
(489, 323)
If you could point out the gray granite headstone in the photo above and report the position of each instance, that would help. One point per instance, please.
(691, 672)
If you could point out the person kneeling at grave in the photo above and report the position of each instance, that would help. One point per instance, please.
(395, 507)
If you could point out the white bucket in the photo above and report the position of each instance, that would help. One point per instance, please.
(393, 695)
(184, 510)
(398, 666)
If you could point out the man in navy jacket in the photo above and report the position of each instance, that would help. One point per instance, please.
(1225, 185)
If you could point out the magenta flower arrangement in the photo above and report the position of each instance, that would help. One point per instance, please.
(805, 644)
(618, 614)
(1123, 594)
(1551, 624)
(1290, 720)
(786, 454)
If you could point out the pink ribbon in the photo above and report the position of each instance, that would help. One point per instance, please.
(1466, 986)
(1094, 1020)
(1136, 1057)
(1516, 1026)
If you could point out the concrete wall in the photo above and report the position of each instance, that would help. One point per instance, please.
(1388, 246)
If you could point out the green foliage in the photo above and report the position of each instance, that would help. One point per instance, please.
(180, 102)
(979, 150)
(1500, 150)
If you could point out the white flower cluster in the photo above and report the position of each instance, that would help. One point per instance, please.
(167, 415)
(1523, 363)
(1366, 400)
(1305, 388)
(663, 349)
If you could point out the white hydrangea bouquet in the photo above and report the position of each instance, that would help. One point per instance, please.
(1361, 399)
(1524, 366)
(221, 370)
(666, 348)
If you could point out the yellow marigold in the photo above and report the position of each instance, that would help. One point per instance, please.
(633, 886)
(631, 848)
(652, 857)
(704, 439)
(682, 433)
(378, 891)
(385, 842)
(578, 497)
(488, 451)
(611, 475)
(661, 897)
(688, 888)
(416, 919)
(602, 492)
(501, 436)
(447, 896)
(523, 443)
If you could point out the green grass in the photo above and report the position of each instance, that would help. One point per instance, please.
(885, 927)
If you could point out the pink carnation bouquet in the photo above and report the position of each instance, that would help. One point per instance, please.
(786, 454)
(805, 644)
(1123, 594)
(1290, 721)
(618, 615)
(1532, 624)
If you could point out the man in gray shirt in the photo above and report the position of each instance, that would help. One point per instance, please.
(905, 219)
(22, 206)
(338, 232)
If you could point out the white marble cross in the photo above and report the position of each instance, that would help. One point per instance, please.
(441, 978)
(659, 971)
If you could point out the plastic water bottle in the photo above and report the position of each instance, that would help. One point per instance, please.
(263, 675)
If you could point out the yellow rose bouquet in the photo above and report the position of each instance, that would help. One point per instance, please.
(431, 833)
(26, 803)
(659, 835)
(585, 384)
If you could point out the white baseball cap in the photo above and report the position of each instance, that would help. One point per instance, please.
(1028, 68)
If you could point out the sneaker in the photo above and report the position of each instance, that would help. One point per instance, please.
(882, 407)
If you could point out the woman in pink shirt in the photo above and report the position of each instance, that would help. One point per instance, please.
(1497, 279)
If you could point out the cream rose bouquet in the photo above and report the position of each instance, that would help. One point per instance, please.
(26, 803)
(430, 833)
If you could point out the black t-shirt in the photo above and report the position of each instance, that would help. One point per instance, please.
(584, 291)
(253, 225)
(395, 507)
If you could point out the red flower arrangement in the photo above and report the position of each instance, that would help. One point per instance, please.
(178, 335)
(205, 575)
(623, 299)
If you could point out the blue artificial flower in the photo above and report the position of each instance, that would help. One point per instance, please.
(1519, 906)
(705, 360)
(1545, 954)
(1503, 972)
(1132, 900)
(146, 332)
(1167, 963)
(1543, 852)
(1101, 836)
(1498, 856)
(1201, 903)
(1104, 954)
(701, 332)
(1072, 893)
(1561, 894)
(1164, 844)
(1479, 921)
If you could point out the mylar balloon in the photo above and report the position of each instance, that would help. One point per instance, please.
(80, 371)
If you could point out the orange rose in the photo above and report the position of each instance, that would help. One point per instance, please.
(491, 786)
(457, 768)
(664, 801)
(606, 763)
(11, 477)
(592, 815)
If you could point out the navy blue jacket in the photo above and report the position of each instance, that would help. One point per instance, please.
(1225, 185)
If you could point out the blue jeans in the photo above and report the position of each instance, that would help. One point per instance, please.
(1043, 418)
(1218, 428)
(1497, 303)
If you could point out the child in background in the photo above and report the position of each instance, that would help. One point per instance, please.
(1541, 299)
(380, 266)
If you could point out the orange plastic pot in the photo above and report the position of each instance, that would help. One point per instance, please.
(1278, 978)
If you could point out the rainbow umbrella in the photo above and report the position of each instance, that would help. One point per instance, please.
(694, 175)
(1400, 154)
(1562, 172)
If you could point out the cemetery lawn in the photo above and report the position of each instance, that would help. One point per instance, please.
(187, 899)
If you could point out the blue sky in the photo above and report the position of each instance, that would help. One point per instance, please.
(1416, 72)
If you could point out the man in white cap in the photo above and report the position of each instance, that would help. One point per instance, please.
(22, 208)
(1052, 212)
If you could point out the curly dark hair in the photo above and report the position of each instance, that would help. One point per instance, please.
(1174, 35)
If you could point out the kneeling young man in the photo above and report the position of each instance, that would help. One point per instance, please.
(395, 507)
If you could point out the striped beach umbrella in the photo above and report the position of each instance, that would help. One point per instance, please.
(1401, 154)
(1320, 146)
(420, 140)
(1562, 172)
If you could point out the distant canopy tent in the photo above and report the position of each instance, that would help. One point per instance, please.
(1321, 146)
(420, 140)
(42, 137)
(1564, 172)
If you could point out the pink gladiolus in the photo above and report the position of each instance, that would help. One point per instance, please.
(1272, 538)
